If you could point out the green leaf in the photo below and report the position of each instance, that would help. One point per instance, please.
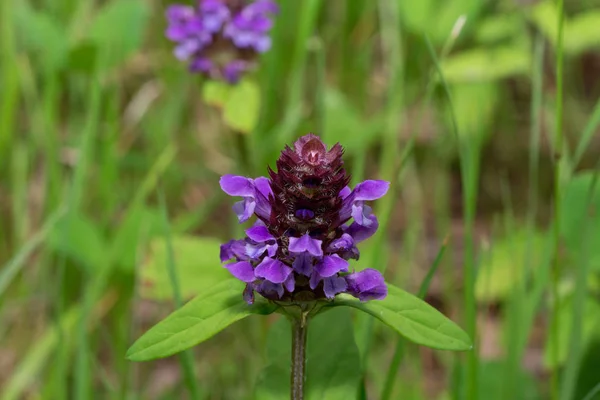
(416, 15)
(503, 262)
(242, 106)
(580, 217)
(343, 123)
(590, 328)
(492, 386)
(332, 359)
(42, 35)
(118, 29)
(139, 224)
(485, 64)
(197, 263)
(216, 93)
(198, 320)
(413, 318)
(499, 28)
(78, 237)
(82, 58)
(582, 33)
(474, 107)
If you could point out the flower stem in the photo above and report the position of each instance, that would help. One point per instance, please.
(297, 377)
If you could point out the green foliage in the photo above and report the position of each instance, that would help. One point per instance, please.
(78, 237)
(581, 207)
(198, 320)
(412, 318)
(503, 264)
(196, 261)
(485, 64)
(42, 35)
(332, 359)
(118, 29)
(591, 330)
(240, 103)
(493, 387)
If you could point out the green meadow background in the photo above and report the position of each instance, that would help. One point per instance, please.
(484, 116)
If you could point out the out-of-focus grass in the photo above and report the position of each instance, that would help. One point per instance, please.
(96, 115)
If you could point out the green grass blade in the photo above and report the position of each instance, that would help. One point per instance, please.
(571, 370)
(186, 358)
(469, 167)
(13, 266)
(558, 148)
(400, 343)
(587, 135)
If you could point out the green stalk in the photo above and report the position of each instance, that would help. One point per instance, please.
(469, 167)
(298, 370)
(558, 148)
(186, 358)
(389, 16)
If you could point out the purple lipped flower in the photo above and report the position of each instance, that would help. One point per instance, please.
(221, 38)
(309, 224)
(367, 284)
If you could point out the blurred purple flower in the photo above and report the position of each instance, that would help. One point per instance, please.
(221, 38)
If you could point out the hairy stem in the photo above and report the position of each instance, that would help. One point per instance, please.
(297, 377)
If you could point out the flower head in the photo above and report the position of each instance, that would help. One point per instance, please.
(221, 38)
(309, 223)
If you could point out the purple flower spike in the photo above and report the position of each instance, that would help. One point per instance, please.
(367, 285)
(272, 270)
(299, 247)
(306, 244)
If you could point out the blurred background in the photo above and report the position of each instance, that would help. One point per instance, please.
(108, 146)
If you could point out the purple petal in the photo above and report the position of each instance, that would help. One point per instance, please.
(367, 285)
(254, 251)
(244, 209)
(201, 64)
(363, 232)
(272, 270)
(345, 242)
(264, 186)
(371, 190)
(178, 12)
(304, 214)
(362, 214)
(249, 294)
(242, 270)
(233, 249)
(303, 264)
(235, 185)
(290, 283)
(333, 286)
(315, 278)
(259, 233)
(268, 288)
(331, 265)
(345, 192)
(306, 243)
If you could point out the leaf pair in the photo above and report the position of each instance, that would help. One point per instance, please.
(215, 309)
